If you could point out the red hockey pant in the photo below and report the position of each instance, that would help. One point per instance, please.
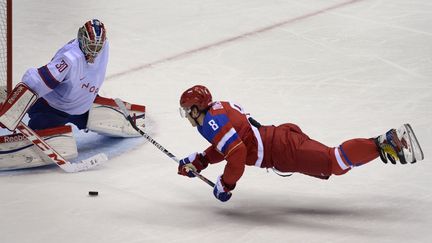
(293, 151)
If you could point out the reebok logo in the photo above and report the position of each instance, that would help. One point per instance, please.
(15, 138)
(15, 95)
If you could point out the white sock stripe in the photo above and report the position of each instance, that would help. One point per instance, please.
(342, 164)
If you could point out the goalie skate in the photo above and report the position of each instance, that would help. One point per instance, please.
(400, 145)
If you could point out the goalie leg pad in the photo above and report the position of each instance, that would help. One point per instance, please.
(17, 152)
(107, 119)
(16, 105)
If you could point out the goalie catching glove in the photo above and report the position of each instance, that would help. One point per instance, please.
(194, 162)
(16, 105)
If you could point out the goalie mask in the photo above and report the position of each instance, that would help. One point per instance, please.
(91, 38)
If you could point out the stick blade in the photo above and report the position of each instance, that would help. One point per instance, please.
(86, 164)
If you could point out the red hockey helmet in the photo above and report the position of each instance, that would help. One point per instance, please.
(198, 96)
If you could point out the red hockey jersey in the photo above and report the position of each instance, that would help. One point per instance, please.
(233, 138)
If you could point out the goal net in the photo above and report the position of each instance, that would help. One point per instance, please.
(5, 47)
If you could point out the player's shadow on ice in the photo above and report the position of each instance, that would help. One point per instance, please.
(320, 215)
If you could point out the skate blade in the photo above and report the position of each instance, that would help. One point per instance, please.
(413, 152)
(418, 152)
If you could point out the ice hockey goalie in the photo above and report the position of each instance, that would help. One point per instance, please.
(64, 91)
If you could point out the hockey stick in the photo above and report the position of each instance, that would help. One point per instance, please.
(57, 158)
(126, 114)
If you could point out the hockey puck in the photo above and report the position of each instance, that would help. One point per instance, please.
(93, 193)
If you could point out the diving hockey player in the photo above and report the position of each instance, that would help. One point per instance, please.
(240, 140)
(64, 91)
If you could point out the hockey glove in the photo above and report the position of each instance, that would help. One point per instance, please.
(222, 191)
(194, 162)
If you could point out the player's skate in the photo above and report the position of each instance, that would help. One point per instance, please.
(399, 145)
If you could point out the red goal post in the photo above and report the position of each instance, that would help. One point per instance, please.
(5, 47)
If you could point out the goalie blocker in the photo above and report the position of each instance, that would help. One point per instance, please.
(16, 105)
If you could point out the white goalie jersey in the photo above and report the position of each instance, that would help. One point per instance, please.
(75, 81)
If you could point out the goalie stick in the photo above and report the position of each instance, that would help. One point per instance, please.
(126, 114)
(57, 158)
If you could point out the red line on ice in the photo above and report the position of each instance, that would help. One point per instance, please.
(231, 39)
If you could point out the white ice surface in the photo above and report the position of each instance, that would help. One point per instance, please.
(355, 70)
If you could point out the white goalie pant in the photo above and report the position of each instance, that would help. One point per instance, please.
(17, 152)
(106, 118)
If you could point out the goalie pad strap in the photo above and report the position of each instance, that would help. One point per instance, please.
(16, 105)
(110, 102)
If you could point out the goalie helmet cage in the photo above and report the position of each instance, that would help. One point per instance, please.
(5, 48)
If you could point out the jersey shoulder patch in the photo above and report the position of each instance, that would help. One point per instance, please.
(217, 106)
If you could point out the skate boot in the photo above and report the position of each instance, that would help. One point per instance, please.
(399, 145)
